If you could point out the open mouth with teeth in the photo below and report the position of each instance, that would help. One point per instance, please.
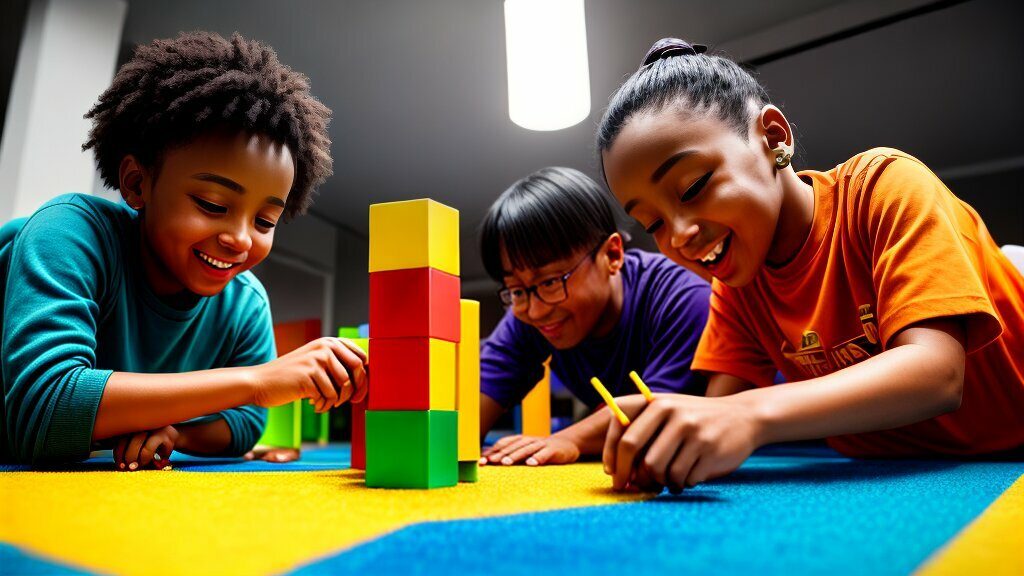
(213, 262)
(717, 254)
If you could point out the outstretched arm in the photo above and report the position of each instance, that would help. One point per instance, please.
(694, 439)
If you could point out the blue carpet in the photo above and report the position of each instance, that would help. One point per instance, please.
(14, 562)
(333, 457)
(804, 510)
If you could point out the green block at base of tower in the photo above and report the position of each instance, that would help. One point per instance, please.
(411, 448)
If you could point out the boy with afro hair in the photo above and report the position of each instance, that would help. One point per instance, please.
(139, 326)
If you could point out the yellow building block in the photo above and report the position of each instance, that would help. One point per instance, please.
(537, 406)
(442, 375)
(414, 234)
(467, 387)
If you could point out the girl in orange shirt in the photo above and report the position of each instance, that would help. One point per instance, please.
(881, 297)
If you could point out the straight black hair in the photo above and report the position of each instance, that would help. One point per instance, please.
(678, 74)
(547, 216)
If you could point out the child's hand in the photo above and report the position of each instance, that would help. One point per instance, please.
(327, 370)
(689, 439)
(148, 449)
(534, 450)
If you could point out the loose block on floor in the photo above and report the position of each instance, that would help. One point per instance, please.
(414, 234)
(411, 449)
(467, 385)
(284, 426)
(412, 374)
(415, 302)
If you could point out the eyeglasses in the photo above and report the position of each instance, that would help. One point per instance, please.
(550, 291)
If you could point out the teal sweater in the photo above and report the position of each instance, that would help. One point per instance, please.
(76, 307)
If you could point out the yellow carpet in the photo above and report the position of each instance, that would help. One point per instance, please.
(991, 545)
(255, 523)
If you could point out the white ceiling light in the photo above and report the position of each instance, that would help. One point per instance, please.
(548, 73)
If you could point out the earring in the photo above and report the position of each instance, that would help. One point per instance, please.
(783, 156)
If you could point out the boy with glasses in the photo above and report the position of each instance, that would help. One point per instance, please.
(576, 295)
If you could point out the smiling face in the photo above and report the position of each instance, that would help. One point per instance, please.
(594, 298)
(209, 213)
(708, 195)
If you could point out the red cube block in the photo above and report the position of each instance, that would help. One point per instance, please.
(359, 436)
(412, 374)
(414, 303)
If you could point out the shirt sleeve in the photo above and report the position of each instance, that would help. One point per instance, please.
(255, 346)
(925, 252)
(727, 346)
(676, 325)
(511, 362)
(59, 271)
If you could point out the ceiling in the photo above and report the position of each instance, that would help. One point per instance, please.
(418, 88)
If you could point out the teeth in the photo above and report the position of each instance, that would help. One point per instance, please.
(713, 254)
(214, 262)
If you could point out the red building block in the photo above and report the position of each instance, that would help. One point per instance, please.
(412, 374)
(414, 303)
(359, 436)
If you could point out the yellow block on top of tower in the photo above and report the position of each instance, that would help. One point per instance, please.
(414, 234)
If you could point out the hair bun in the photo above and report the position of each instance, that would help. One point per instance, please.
(668, 47)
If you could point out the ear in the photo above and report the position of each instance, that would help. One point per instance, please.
(615, 251)
(775, 129)
(133, 180)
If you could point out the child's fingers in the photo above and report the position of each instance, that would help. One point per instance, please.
(354, 363)
(119, 448)
(328, 395)
(682, 465)
(502, 443)
(633, 442)
(131, 453)
(522, 452)
(517, 443)
(664, 448)
(541, 457)
(611, 442)
(345, 389)
(355, 349)
(149, 448)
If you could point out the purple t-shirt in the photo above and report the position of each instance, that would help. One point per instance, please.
(664, 310)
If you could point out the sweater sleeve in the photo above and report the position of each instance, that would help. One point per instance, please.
(60, 267)
(255, 345)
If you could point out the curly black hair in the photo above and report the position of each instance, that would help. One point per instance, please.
(172, 91)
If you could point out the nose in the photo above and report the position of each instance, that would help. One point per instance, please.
(237, 238)
(683, 234)
(537, 308)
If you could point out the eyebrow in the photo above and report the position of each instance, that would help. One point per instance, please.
(667, 165)
(233, 186)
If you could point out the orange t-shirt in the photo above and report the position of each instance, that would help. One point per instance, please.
(889, 246)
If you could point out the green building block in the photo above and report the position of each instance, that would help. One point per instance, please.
(314, 426)
(411, 448)
(284, 426)
(469, 471)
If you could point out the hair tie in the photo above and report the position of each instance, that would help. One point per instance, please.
(668, 47)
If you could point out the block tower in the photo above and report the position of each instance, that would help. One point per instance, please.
(411, 427)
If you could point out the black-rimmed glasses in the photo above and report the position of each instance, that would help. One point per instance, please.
(550, 291)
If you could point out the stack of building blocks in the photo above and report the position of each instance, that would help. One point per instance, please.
(284, 423)
(467, 390)
(411, 424)
(536, 406)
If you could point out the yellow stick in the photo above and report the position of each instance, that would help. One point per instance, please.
(640, 384)
(623, 419)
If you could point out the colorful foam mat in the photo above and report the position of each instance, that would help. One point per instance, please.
(788, 510)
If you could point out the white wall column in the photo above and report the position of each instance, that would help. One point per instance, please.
(67, 59)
